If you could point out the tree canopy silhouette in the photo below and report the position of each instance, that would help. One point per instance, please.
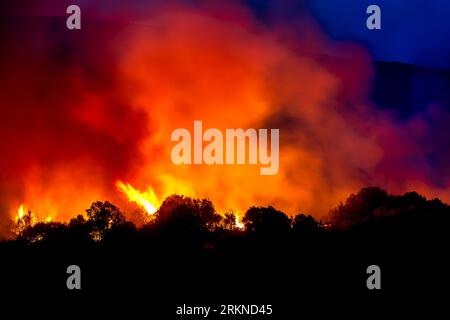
(305, 225)
(375, 207)
(103, 216)
(187, 242)
(358, 208)
(266, 221)
(188, 213)
(189, 219)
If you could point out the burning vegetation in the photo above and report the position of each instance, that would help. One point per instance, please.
(93, 122)
(147, 199)
(180, 215)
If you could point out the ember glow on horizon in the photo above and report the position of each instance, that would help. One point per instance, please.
(87, 115)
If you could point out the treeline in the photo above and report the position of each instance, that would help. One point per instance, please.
(185, 219)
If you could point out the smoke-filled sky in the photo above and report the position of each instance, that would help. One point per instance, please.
(82, 109)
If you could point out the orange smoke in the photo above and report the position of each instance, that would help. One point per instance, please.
(230, 77)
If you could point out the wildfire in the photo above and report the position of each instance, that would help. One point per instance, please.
(147, 199)
(239, 224)
(24, 219)
(20, 212)
(25, 216)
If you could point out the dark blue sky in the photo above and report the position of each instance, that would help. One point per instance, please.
(413, 31)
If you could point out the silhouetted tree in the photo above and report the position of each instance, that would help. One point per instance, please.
(266, 221)
(372, 210)
(208, 215)
(305, 225)
(229, 221)
(193, 214)
(358, 208)
(77, 221)
(103, 216)
(185, 222)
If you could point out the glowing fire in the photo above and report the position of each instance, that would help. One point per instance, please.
(24, 219)
(20, 212)
(239, 224)
(23, 212)
(147, 199)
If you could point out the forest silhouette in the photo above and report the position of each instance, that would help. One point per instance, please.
(189, 250)
(196, 221)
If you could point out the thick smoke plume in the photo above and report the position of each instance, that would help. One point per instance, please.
(80, 110)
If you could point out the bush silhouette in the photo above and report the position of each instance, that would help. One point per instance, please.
(43, 231)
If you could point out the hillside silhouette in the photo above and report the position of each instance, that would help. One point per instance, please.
(185, 220)
(188, 250)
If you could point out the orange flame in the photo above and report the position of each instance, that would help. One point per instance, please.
(20, 212)
(146, 200)
(239, 224)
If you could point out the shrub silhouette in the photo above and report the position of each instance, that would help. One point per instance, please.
(43, 231)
